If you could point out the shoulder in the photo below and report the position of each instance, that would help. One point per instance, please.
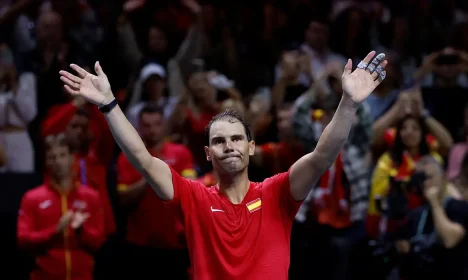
(88, 193)
(36, 193)
(277, 181)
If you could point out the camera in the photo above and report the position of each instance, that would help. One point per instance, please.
(397, 201)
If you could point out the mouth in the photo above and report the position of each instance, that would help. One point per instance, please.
(230, 157)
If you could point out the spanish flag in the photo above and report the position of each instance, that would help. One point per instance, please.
(254, 205)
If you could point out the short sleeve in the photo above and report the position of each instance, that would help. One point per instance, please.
(457, 211)
(185, 191)
(281, 190)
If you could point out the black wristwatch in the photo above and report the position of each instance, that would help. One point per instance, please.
(107, 108)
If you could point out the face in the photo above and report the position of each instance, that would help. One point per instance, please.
(152, 128)
(157, 41)
(78, 132)
(155, 86)
(434, 175)
(59, 161)
(229, 148)
(284, 123)
(201, 88)
(316, 36)
(49, 28)
(411, 133)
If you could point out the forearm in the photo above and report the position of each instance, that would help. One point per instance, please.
(335, 134)
(128, 139)
(441, 134)
(36, 240)
(451, 233)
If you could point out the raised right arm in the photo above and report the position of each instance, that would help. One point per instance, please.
(96, 89)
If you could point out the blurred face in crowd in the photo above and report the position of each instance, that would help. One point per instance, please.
(447, 70)
(152, 128)
(229, 149)
(59, 161)
(155, 86)
(201, 89)
(316, 35)
(434, 173)
(78, 132)
(284, 123)
(49, 28)
(157, 40)
(411, 133)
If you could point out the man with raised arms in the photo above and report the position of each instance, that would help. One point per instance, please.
(236, 229)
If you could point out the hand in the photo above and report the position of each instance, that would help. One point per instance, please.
(289, 66)
(403, 104)
(95, 89)
(132, 5)
(429, 64)
(64, 221)
(192, 5)
(432, 193)
(78, 219)
(360, 83)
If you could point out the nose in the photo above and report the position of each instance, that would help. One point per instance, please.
(228, 147)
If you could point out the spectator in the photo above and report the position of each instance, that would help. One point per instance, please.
(88, 136)
(398, 165)
(18, 107)
(436, 232)
(458, 152)
(60, 222)
(151, 88)
(461, 181)
(410, 102)
(155, 246)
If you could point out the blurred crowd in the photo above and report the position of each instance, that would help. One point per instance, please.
(175, 64)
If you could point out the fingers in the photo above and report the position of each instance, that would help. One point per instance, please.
(375, 63)
(348, 67)
(98, 69)
(369, 57)
(70, 83)
(81, 72)
(381, 73)
(71, 91)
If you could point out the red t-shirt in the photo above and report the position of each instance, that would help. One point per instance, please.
(146, 226)
(244, 241)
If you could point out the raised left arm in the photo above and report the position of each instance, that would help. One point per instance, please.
(357, 86)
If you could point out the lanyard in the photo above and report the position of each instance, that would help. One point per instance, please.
(83, 176)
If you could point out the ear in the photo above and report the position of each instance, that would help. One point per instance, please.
(251, 148)
(207, 152)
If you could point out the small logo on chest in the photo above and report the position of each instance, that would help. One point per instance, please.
(216, 210)
(45, 204)
(254, 205)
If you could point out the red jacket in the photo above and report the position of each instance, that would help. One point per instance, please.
(66, 255)
(99, 154)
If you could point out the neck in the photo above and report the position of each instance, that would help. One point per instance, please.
(234, 187)
(63, 184)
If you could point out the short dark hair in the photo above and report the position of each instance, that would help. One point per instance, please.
(232, 116)
(151, 109)
(57, 140)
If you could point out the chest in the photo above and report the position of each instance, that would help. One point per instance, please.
(234, 223)
(48, 210)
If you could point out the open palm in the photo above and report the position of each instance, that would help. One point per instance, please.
(360, 83)
(93, 88)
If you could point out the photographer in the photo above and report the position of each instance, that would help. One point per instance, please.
(434, 243)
